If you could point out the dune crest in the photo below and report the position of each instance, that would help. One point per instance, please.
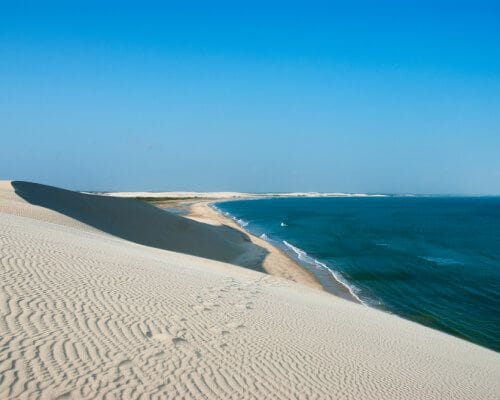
(142, 223)
(94, 305)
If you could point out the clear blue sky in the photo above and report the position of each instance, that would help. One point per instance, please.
(253, 96)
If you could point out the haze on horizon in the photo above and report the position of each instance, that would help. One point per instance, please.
(380, 97)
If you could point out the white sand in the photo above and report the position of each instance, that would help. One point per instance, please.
(201, 195)
(275, 262)
(235, 195)
(84, 314)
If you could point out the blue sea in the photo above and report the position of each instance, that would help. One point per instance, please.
(433, 260)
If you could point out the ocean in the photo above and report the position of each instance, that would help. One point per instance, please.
(432, 260)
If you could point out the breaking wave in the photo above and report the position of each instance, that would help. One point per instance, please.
(303, 256)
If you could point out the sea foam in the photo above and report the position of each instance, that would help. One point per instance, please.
(303, 256)
(239, 221)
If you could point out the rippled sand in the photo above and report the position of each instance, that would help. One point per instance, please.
(88, 314)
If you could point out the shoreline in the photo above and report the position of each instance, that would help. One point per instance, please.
(277, 262)
(109, 297)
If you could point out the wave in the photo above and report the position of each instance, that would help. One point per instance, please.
(442, 260)
(303, 256)
(239, 221)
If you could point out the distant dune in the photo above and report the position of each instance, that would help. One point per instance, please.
(104, 297)
(201, 195)
(235, 195)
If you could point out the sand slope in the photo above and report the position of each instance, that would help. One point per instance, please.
(142, 223)
(84, 314)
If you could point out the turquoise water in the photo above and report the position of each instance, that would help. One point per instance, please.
(433, 260)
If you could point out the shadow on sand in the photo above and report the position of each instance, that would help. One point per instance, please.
(145, 224)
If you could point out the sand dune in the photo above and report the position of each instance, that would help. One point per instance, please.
(199, 195)
(142, 223)
(93, 304)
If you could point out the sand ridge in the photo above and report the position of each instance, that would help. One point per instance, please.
(85, 314)
(141, 223)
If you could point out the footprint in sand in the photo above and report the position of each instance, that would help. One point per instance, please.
(235, 325)
(244, 306)
(200, 307)
(168, 339)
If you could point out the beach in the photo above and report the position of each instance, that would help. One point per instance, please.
(431, 259)
(265, 256)
(275, 262)
(111, 297)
